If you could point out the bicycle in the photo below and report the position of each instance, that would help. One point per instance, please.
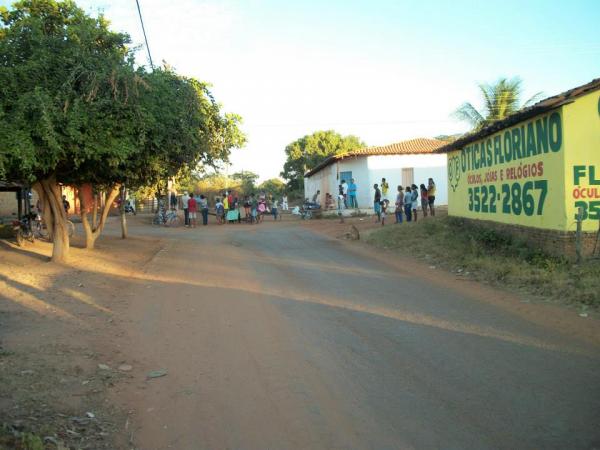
(166, 218)
(40, 229)
(23, 230)
(171, 218)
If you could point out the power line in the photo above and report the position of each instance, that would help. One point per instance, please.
(144, 31)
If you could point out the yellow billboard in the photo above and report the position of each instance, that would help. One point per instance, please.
(535, 173)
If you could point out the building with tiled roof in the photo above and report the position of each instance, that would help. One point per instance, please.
(402, 163)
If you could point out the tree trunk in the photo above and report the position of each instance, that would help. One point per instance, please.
(95, 211)
(46, 210)
(122, 213)
(57, 224)
(92, 232)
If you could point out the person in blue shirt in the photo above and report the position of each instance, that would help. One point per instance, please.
(352, 194)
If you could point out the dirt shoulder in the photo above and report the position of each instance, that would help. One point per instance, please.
(567, 318)
(59, 353)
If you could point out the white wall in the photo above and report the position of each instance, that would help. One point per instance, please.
(424, 167)
(368, 170)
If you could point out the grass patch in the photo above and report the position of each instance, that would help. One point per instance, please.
(11, 438)
(497, 257)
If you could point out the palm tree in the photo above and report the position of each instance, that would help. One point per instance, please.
(500, 100)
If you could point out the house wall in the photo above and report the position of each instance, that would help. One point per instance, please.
(323, 180)
(424, 167)
(368, 170)
(8, 204)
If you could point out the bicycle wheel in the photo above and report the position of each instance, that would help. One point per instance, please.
(41, 230)
(70, 228)
(173, 221)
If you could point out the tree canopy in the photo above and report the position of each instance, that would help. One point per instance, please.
(308, 151)
(500, 100)
(75, 110)
(273, 186)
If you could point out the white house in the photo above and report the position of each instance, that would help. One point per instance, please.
(403, 163)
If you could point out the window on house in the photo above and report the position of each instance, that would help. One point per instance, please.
(408, 176)
(345, 176)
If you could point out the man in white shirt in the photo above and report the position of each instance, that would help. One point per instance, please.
(345, 193)
(184, 204)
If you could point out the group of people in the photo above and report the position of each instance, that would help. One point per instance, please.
(346, 197)
(228, 207)
(407, 201)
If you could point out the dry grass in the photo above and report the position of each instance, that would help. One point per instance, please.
(499, 258)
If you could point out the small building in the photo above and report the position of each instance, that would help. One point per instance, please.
(403, 163)
(13, 197)
(535, 172)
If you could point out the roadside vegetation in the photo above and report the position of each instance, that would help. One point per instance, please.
(478, 252)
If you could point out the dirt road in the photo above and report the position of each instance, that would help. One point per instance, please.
(279, 336)
(274, 337)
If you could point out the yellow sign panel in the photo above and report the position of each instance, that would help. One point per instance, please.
(536, 173)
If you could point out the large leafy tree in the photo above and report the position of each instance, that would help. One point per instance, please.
(74, 110)
(273, 186)
(247, 180)
(500, 100)
(308, 151)
(65, 81)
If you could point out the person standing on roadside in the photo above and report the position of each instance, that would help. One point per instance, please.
(203, 205)
(219, 211)
(408, 204)
(192, 210)
(316, 198)
(431, 196)
(253, 208)
(226, 202)
(399, 204)
(384, 207)
(352, 194)
(414, 191)
(184, 204)
(424, 199)
(377, 202)
(274, 209)
(345, 193)
(385, 187)
(66, 205)
(284, 202)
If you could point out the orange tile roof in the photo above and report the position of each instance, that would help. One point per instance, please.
(413, 146)
(410, 147)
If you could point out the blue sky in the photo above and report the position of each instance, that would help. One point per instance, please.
(382, 70)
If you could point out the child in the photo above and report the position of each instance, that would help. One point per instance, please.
(262, 208)
(424, 199)
(274, 210)
(340, 207)
(384, 207)
(399, 204)
(247, 208)
(192, 210)
(408, 204)
(220, 211)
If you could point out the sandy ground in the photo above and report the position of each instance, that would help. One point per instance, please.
(280, 336)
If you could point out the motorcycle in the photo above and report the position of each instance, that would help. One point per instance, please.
(23, 230)
(129, 209)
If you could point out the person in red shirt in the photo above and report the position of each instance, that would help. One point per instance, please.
(192, 210)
